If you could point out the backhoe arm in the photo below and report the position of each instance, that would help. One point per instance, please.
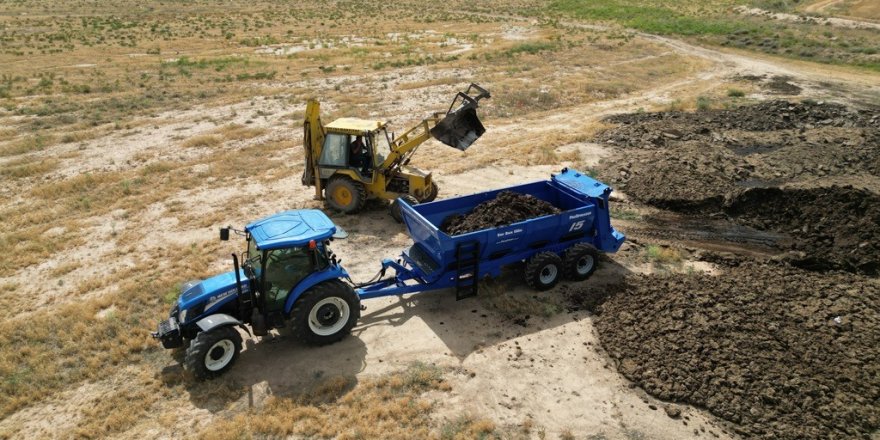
(313, 142)
(403, 146)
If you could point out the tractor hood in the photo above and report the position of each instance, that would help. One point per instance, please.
(209, 293)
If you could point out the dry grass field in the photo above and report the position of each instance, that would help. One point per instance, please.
(130, 131)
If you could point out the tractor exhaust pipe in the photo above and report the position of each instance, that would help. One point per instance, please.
(237, 275)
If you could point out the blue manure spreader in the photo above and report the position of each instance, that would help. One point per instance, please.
(288, 275)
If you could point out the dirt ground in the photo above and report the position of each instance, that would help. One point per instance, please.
(743, 304)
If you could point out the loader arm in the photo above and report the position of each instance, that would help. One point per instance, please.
(313, 142)
(403, 146)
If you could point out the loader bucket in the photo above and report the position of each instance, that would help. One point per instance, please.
(459, 129)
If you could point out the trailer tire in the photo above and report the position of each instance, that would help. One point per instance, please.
(394, 207)
(213, 352)
(345, 195)
(580, 261)
(543, 271)
(431, 195)
(325, 313)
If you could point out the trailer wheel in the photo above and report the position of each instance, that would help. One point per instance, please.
(543, 271)
(431, 195)
(325, 313)
(394, 208)
(213, 352)
(580, 261)
(346, 195)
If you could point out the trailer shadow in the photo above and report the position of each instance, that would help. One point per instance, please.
(278, 366)
(505, 309)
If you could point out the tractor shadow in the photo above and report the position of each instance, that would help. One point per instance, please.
(504, 309)
(280, 367)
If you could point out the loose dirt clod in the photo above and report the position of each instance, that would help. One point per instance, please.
(778, 351)
(508, 207)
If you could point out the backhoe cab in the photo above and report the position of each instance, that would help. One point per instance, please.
(351, 160)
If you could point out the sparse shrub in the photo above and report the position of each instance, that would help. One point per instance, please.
(663, 254)
(704, 103)
(201, 141)
(735, 93)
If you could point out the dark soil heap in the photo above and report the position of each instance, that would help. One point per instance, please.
(734, 161)
(780, 352)
(508, 207)
(680, 159)
(831, 228)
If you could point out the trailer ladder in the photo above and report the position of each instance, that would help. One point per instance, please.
(467, 257)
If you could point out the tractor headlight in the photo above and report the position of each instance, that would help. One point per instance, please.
(181, 318)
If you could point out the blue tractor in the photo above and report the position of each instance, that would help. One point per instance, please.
(287, 273)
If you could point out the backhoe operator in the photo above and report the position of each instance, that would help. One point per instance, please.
(359, 157)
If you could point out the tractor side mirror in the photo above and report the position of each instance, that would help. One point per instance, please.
(224, 234)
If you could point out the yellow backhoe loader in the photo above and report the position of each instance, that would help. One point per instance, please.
(351, 160)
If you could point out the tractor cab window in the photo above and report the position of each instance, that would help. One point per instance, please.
(253, 257)
(335, 152)
(383, 146)
(285, 268)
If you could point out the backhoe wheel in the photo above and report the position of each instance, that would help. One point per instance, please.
(580, 261)
(346, 195)
(213, 352)
(394, 207)
(543, 271)
(325, 313)
(431, 194)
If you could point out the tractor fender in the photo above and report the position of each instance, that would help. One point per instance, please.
(216, 320)
(332, 273)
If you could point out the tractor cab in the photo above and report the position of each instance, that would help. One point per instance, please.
(283, 250)
(359, 145)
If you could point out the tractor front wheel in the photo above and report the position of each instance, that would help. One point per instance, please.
(325, 313)
(346, 195)
(543, 271)
(213, 352)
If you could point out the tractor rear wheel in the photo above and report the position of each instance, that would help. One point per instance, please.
(213, 352)
(431, 194)
(346, 195)
(325, 313)
(580, 261)
(543, 271)
(394, 208)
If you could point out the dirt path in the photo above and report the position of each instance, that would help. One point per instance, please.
(794, 18)
(821, 5)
